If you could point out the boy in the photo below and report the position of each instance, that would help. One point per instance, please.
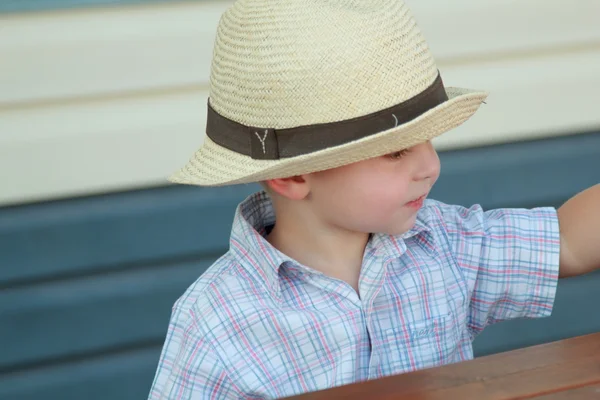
(344, 271)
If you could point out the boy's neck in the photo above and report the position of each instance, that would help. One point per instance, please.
(331, 250)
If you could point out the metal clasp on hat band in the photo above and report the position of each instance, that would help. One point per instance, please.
(262, 143)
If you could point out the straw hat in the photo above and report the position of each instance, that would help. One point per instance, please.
(299, 86)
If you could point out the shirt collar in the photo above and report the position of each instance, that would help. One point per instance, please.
(394, 246)
(248, 239)
(249, 244)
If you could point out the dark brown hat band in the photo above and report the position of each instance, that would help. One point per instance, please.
(271, 144)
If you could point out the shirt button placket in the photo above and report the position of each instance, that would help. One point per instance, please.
(374, 350)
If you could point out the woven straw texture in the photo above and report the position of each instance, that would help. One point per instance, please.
(288, 63)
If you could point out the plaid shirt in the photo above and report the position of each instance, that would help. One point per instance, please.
(259, 325)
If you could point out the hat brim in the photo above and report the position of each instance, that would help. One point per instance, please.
(214, 165)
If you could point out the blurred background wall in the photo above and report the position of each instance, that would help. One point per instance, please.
(100, 100)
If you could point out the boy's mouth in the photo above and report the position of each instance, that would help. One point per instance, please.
(416, 203)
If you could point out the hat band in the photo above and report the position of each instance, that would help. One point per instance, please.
(274, 144)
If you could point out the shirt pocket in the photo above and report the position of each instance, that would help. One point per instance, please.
(416, 345)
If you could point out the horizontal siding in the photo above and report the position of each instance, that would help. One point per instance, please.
(170, 45)
(21, 6)
(466, 31)
(48, 322)
(124, 376)
(115, 52)
(112, 99)
(87, 284)
(106, 233)
(524, 174)
(82, 148)
(97, 146)
(128, 375)
(530, 98)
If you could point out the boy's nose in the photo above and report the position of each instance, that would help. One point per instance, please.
(427, 164)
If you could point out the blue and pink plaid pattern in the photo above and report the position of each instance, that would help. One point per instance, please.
(259, 325)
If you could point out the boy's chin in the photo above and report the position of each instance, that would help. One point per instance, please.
(400, 228)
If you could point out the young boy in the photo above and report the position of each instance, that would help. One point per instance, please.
(344, 271)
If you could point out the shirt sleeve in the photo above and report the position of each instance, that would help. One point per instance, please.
(189, 367)
(509, 259)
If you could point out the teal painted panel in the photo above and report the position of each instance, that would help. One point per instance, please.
(575, 313)
(12, 6)
(124, 376)
(128, 375)
(106, 233)
(83, 281)
(49, 322)
(526, 174)
(89, 235)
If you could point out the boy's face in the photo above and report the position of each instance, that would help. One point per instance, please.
(376, 195)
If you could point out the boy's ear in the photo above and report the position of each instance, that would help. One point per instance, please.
(293, 188)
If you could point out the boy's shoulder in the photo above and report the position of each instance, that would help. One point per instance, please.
(437, 215)
(242, 279)
(435, 211)
(456, 224)
(224, 288)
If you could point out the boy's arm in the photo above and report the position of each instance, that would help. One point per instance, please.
(508, 259)
(579, 220)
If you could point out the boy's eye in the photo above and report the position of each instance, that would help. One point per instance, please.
(398, 154)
